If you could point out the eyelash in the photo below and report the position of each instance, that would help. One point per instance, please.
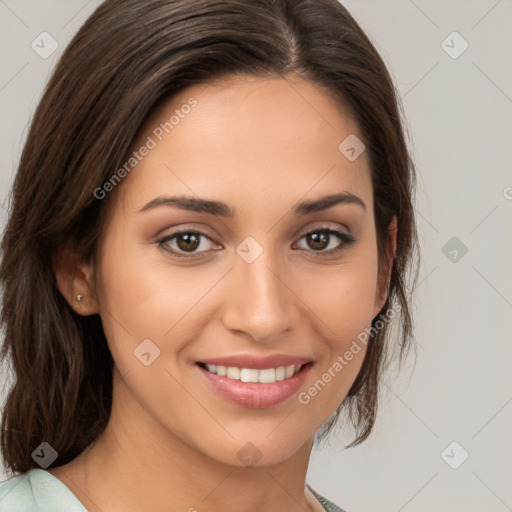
(346, 239)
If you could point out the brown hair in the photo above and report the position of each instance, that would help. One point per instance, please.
(128, 57)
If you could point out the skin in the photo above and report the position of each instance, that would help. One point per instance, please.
(259, 145)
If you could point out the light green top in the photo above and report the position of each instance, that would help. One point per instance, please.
(39, 491)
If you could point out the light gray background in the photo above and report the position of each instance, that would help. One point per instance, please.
(459, 113)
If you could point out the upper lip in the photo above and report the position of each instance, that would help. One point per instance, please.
(257, 363)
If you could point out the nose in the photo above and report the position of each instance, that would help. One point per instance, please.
(260, 301)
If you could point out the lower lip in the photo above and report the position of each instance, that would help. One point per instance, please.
(255, 394)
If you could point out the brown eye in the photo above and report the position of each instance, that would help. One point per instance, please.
(186, 243)
(333, 240)
(319, 240)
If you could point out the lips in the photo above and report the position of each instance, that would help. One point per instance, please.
(255, 382)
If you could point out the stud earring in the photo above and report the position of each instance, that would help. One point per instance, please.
(79, 297)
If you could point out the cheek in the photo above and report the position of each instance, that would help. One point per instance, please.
(345, 297)
(142, 297)
(128, 294)
(346, 307)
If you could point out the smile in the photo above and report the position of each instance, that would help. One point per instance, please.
(263, 387)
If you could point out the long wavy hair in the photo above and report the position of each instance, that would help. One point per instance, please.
(129, 57)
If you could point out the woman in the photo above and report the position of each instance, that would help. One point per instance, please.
(210, 229)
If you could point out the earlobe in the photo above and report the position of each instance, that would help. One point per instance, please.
(387, 267)
(75, 282)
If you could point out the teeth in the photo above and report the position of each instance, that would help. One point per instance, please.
(289, 371)
(249, 375)
(233, 373)
(265, 376)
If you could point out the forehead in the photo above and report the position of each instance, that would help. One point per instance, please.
(250, 141)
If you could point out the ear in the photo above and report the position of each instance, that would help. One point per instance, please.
(75, 281)
(384, 277)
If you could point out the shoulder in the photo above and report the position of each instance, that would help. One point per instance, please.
(37, 491)
(328, 505)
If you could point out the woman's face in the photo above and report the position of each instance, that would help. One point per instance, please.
(258, 284)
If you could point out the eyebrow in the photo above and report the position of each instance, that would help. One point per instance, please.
(221, 209)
